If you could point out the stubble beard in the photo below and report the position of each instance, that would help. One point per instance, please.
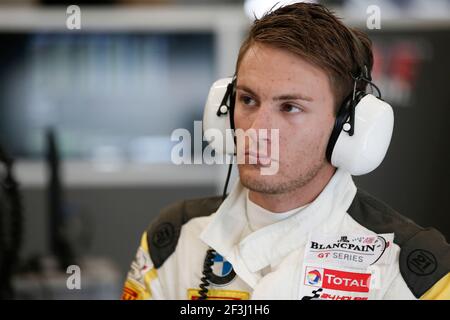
(263, 184)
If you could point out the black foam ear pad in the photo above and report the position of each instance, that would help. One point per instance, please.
(341, 118)
(232, 103)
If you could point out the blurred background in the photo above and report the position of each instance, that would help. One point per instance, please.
(87, 116)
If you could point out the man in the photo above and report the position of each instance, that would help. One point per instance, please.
(305, 232)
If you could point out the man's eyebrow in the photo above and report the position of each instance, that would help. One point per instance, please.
(277, 98)
(292, 97)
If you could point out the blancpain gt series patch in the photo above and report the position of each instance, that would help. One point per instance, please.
(352, 251)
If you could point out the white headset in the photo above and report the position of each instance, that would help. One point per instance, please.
(358, 143)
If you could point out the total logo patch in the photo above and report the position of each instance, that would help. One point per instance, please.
(314, 277)
(337, 280)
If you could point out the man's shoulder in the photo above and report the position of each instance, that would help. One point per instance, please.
(424, 252)
(379, 217)
(164, 231)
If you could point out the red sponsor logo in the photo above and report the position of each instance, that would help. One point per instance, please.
(346, 281)
(369, 240)
(339, 280)
(216, 298)
(327, 296)
(129, 294)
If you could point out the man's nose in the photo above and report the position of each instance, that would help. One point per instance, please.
(262, 119)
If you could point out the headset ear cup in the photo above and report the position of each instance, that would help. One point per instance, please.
(364, 151)
(216, 125)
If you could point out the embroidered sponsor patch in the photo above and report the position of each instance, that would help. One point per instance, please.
(140, 266)
(193, 294)
(421, 262)
(337, 280)
(355, 251)
(319, 294)
(142, 272)
(345, 267)
(134, 291)
(129, 294)
(334, 284)
(222, 271)
(164, 235)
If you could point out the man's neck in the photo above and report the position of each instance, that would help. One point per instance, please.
(297, 198)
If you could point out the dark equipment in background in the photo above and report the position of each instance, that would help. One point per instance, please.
(58, 242)
(10, 225)
(11, 219)
(47, 275)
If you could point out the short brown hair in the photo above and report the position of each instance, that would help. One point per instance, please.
(316, 34)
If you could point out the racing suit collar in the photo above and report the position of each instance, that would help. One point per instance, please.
(271, 244)
(227, 225)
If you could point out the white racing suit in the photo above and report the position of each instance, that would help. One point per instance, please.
(345, 245)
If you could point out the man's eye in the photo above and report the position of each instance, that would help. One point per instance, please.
(246, 100)
(290, 108)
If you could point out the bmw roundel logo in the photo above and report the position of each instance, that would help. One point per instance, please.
(222, 271)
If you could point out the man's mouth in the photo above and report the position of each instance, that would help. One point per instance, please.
(258, 159)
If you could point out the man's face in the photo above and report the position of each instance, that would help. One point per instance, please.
(277, 89)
